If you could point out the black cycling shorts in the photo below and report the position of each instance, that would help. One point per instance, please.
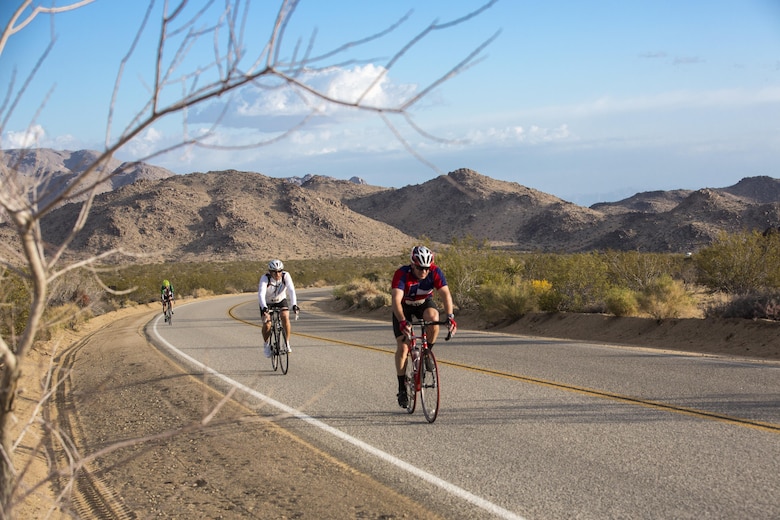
(279, 305)
(412, 311)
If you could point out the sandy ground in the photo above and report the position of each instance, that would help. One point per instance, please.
(115, 387)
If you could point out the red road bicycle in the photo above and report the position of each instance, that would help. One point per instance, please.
(422, 371)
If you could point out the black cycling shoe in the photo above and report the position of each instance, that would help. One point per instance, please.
(403, 399)
(429, 364)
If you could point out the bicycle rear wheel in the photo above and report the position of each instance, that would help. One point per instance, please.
(411, 387)
(429, 385)
(284, 361)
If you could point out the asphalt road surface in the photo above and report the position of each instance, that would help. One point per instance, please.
(528, 428)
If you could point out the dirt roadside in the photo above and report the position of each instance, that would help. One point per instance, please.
(115, 386)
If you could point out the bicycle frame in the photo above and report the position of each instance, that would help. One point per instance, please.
(422, 372)
(279, 354)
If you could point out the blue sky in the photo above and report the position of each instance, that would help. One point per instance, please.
(586, 100)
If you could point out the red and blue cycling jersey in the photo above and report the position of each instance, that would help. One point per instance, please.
(416, 291)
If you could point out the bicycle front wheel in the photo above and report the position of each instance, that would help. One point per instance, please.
(429, 385)
(275, 350)
(284, 361)
(411, 387)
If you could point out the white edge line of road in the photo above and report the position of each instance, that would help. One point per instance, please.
(417, 472)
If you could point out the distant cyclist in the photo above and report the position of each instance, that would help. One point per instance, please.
(276, 290)
(167, 295)
(412, 296)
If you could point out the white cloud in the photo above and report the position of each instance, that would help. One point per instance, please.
(512, 135)
(29, 138)
(147, 143)
(274, 107)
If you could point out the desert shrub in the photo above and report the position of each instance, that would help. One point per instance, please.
(240, 276)
(636, 271)
(14, 305)
(362, 293)
(78, 286)
(500, 302)
(621, 301)
(665, 298)
(68, 316)
(579, 281)
(547, 298)
(469, 264)
(551, 301)
(202, 293)
(71, 303)
(740, 263)
(757, 305)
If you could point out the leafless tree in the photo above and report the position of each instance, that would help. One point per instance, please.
(231, 65)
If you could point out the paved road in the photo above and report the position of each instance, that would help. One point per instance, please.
(528, 428)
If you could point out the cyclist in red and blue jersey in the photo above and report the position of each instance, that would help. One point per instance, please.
(412, 296)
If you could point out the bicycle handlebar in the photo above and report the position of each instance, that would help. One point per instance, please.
(424, 323)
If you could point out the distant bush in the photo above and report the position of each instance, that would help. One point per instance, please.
(636, 271)
(469, 264)
(579, 281)
(68, 316)
(665, 298)
(500, 302)
(362, 293)
(14, 305)
(740, 263)
(757, 305)
(193, 278)
(202, 293)
(621, 301)
(508, 284)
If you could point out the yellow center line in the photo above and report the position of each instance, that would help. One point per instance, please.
(739, 421)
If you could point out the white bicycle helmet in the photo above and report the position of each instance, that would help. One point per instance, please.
(422, 256)
(275, 265)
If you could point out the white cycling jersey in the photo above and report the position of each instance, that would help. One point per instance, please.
(271, 290)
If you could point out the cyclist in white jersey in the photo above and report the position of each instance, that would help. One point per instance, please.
(276, 290)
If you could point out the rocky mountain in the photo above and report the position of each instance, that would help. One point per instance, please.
(465, 203)
(57, 170)
(230, 215)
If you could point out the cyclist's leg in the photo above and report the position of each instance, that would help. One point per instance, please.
(401, 351)
(401, 361)
(266, 332)
(431, 313)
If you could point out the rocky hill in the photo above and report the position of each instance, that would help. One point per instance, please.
(229, 215)
(244, 215)
(57, 170)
